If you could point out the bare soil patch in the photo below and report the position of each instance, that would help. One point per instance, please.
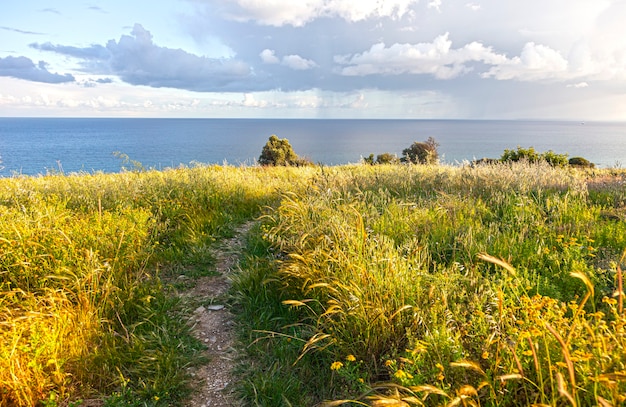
(213, 325)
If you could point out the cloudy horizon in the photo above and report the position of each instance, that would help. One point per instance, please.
(441, 59)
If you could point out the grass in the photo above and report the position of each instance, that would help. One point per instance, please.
(365, 285)
(418, 285)
(84, 310)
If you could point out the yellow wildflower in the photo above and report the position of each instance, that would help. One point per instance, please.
(350, 358)
(401, 374)
(336, 366)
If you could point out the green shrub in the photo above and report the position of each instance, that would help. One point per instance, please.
(554, 159)
(279, 152)
(528, 154)
(424, 152)
(580, 162)
(531, 155)
(384, 158)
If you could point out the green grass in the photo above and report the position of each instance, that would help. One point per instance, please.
(384, 282)
(490, 286)
(83, 308)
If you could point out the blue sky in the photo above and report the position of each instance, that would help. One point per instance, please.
(476, 59)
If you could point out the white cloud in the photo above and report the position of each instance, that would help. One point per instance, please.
(299, 13)
(250, 101)
(298, 63)
(436, 58)
(436, 4)
(536, 62)
(473, 6)
(268, 56)
(578, 85)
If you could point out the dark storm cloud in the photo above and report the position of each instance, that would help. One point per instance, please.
(25, 68)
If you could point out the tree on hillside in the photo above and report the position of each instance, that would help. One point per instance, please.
(424, 152)
(279, 152)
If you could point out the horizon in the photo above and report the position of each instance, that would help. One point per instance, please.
(573, 121)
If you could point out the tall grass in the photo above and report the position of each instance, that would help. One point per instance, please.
(423, 285)
(384, 277)
(83, 310)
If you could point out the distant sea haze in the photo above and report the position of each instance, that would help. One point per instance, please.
(31, 146)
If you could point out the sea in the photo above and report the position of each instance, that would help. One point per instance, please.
(39, 146)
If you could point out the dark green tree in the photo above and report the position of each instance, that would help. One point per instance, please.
(424, 152)
(278, 152)
(580, 162)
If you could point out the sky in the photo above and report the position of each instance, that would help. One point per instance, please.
(413, 59)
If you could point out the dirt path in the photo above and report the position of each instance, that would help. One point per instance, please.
(214, 326)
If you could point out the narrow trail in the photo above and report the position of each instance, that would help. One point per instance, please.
(213, 325)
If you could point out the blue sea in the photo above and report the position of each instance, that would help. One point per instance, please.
(31, 146)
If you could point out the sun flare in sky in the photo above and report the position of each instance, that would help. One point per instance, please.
(480, 59)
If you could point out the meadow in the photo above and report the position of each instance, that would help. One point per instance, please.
(395, 285)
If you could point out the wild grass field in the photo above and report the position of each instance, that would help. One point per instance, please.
(495, 285)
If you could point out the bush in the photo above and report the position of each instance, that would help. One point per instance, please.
(424, 152)
(554, 159)
(580, 162)
(384, 158)
(529, 154)
(279, 152)
(485, 161)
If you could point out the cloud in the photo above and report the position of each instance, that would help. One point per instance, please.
(92, 83)
(436, 4)
(97, 9)
(296, 62)
(17, 30)
(92, 52)
(536, 62)
(436, 58)
(135, 59)
(25, 68)
(299, 13)
(578, 85)
(268, 56)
